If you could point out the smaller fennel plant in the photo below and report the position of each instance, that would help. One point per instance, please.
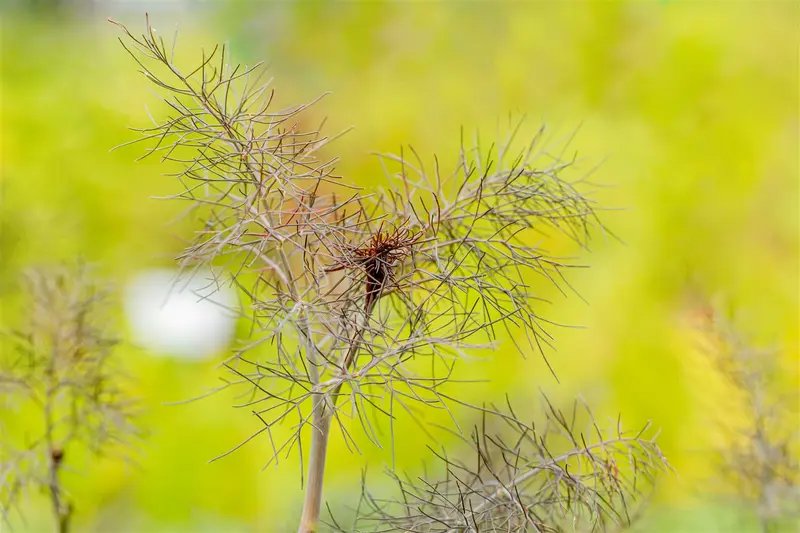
(58, 371)
(367, 299)
(760, 460)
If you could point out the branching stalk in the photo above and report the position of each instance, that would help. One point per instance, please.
(324, 410)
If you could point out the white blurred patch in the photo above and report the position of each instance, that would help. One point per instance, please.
(190, 318)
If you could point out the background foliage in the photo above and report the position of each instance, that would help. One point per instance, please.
(692, 107)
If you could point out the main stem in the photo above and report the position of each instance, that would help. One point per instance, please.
(323, 415)
(316, 468)
(62, 509)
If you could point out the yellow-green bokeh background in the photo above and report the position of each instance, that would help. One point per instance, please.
(691, 106)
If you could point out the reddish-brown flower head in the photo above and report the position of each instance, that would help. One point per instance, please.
(377, 259)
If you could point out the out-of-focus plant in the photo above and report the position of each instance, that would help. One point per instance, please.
(369, 298)
(759, 459)
(60, 365)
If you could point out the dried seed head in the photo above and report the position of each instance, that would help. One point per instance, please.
(377, 259)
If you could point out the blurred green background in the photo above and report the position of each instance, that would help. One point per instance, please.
(692, 108)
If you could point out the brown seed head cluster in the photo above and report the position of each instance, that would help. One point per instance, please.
(377, 259)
